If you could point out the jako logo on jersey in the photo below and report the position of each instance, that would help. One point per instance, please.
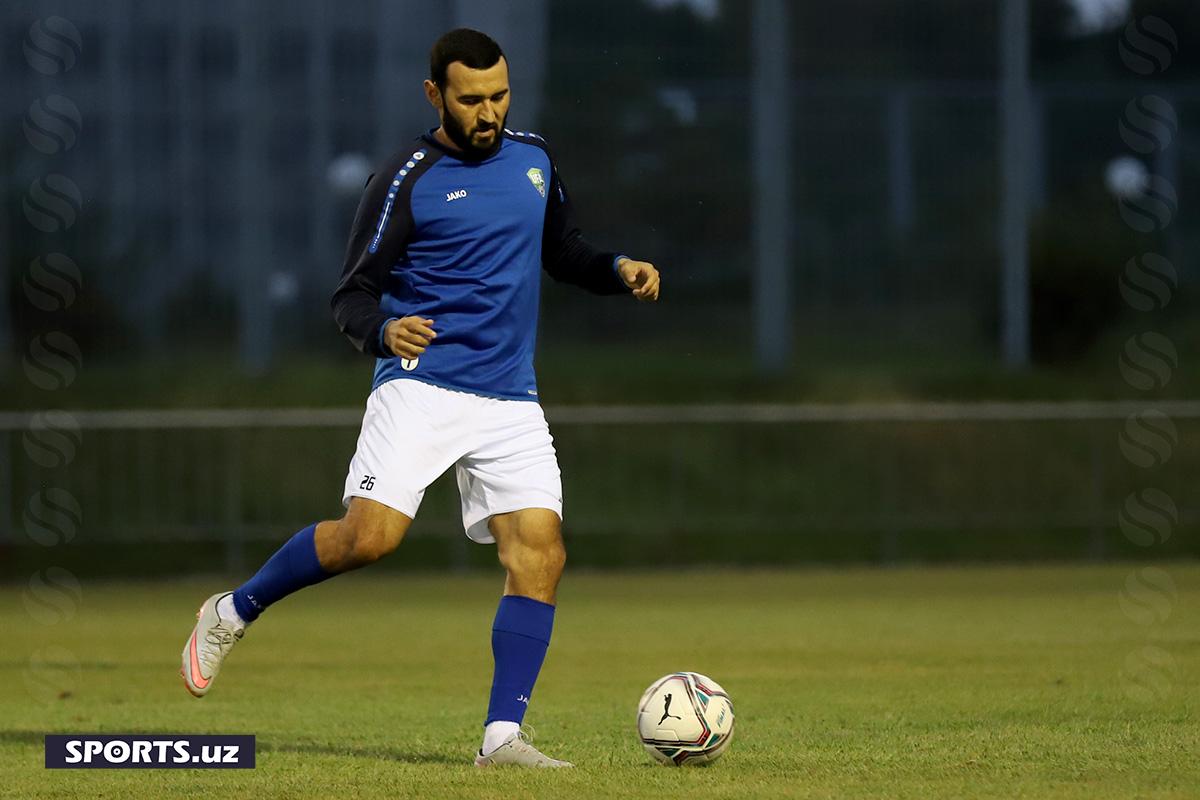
(457, 194)
(535, 177)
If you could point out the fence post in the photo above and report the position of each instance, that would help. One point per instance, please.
(235, 550)
(1167, 165)
(901, 203)
(1097, 547)
(773, 178)
(890, 544)
(677, 503)
(1014, 163)
(7, 523)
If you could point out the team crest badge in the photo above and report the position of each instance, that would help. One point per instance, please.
(535, 177)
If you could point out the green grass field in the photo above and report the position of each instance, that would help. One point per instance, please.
(909, 683)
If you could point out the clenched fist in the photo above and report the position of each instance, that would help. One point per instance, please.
(408, 337)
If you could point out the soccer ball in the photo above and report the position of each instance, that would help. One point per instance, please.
(685, 718)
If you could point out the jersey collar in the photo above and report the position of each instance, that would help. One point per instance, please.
(432, 141)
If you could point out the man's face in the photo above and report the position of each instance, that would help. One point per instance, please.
(474, 105)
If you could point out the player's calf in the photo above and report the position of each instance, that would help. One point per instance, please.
(530, 548)
(367, 533)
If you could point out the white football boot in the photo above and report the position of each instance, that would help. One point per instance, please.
(211, 640)
(518, 751)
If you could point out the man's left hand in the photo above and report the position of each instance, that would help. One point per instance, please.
(641, 277)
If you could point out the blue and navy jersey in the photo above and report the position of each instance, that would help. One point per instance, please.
(463, 242)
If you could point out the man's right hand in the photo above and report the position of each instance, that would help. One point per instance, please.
(408, 337)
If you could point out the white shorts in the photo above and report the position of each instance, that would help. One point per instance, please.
(413, 431)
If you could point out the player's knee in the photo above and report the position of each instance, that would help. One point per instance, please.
(555, 559)
(540, 560)
(367, 541)
(376, 541)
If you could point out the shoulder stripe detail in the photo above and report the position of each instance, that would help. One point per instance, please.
(524, 134)
(397, 179)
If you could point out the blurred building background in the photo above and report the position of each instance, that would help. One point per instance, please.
(853, 203)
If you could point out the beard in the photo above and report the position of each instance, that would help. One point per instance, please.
(463, 139)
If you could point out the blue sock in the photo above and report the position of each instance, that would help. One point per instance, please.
(293, 567)
(520, 636)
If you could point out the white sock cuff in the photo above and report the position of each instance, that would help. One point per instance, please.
(227, 610)
(497, 733)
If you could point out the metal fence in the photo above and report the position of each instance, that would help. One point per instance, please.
(720, 483)
(207, 140)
